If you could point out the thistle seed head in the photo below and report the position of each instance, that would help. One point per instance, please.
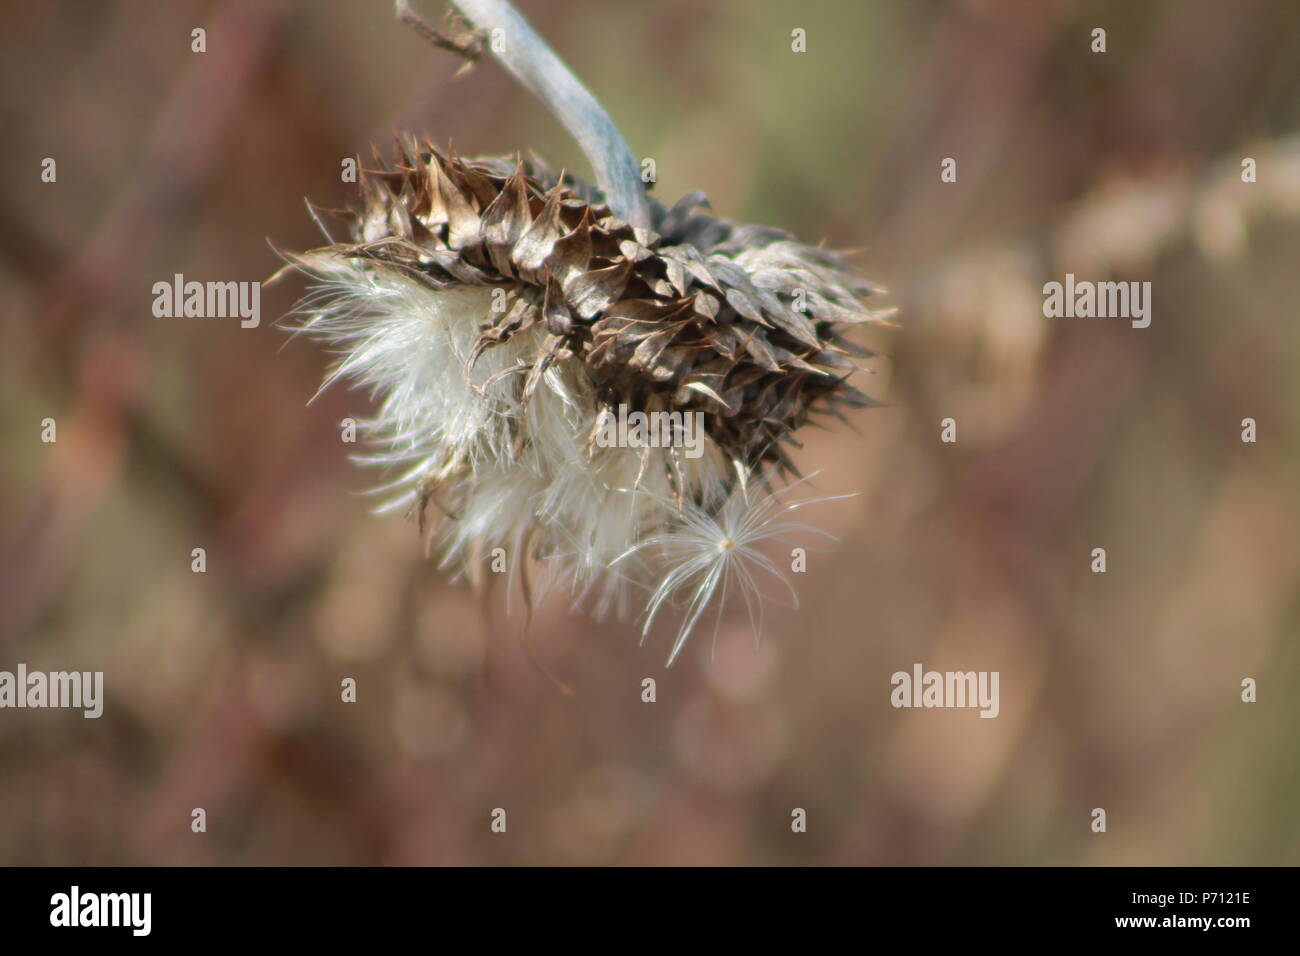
(496, 309)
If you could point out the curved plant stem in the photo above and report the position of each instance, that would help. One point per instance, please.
(534, 64)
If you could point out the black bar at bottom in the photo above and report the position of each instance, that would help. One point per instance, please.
(333, 905)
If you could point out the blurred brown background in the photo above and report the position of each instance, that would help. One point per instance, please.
(1119, 690)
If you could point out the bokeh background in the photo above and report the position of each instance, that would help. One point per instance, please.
(1118, 690)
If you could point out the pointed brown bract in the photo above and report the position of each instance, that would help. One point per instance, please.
(698, 315)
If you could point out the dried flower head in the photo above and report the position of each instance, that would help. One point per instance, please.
(497, 310)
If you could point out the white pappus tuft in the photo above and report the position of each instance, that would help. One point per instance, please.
(603, 520)
(707, 550)
(499, 315)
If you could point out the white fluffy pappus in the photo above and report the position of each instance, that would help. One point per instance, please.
(528, 478)
(709, 552)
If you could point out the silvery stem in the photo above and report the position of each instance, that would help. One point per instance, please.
(527, 57)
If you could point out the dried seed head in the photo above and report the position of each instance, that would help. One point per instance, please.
(497, 309)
